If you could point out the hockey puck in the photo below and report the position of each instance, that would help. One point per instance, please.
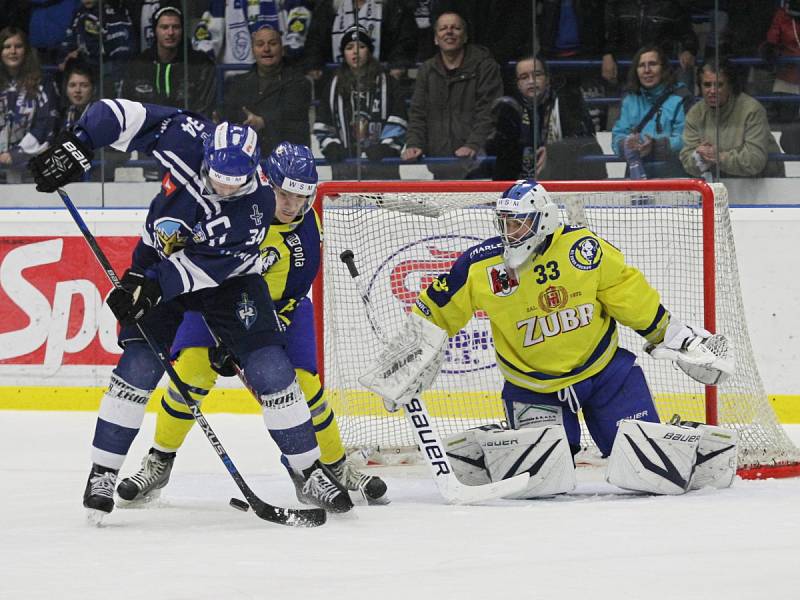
(239, 504)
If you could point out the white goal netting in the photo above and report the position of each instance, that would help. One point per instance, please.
(402, 238)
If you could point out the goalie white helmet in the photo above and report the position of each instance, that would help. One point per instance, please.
(525, 215)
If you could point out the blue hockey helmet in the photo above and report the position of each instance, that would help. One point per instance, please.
(292, 168)
(525, 215)
(231, 154)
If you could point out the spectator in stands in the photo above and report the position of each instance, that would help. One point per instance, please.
(50, 20)
(782, 40)
(748, 23)
(575, 30)
(158, 76)
(541, 132)
(390, 24)
(450, 112)
(744, 134)
(78, 93)
(503, 27)
(631, 24)
(220, 32)
(86, 39)
(649, 131)
(361, 113)
(272, 98)
(27, 104)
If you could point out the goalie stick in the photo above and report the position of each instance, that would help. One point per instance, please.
(298, 517)
(430, 443)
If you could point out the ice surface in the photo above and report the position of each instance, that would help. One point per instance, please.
(596, 544)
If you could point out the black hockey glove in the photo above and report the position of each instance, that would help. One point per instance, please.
(378, 152)
(334, 152)
(136, 296)
(65, 161)
(222, 361)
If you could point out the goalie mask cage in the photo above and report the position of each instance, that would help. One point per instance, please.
(403, 234)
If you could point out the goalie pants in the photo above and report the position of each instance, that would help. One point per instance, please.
(241, 313)
(174, 419)
(617, 392)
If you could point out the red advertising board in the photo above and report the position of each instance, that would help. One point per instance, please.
(51, 300)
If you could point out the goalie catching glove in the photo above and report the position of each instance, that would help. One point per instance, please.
(703, 356)
(408, 364)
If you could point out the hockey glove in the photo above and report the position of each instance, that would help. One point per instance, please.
(62, 163)
(135, 297)
(334, 152)
(377, 152)
(222, 361)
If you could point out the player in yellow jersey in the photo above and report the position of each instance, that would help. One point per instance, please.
(291, 258)
(554, 295)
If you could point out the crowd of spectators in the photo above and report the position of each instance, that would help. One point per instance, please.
(463, 85)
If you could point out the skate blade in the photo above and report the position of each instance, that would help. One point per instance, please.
(141, 501)
(95, 517)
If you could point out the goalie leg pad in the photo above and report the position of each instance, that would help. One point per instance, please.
(717, 457)
(653, 457)
(466, 457)
(542, 452)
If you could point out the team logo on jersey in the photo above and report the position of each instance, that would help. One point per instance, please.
(585, 254)
(269, 257)
(501, 281)
(553, 298)
(256, 215)
(168, 235)
(167, 185)
(246, 311)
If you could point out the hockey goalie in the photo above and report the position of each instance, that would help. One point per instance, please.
(554, 296)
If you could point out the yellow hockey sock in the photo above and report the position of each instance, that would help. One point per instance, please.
(325, 426)
(174, 420)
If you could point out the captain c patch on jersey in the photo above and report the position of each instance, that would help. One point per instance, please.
(585, 254)
(501, 280)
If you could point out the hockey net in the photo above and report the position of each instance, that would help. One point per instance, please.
(403, 234)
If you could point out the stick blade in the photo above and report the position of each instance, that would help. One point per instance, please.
(455, 492)
(291, 517)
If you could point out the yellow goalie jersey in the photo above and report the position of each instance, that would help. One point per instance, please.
(554, 321)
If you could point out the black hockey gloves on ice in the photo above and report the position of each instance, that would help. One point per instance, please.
(65, 161)
(136, 296)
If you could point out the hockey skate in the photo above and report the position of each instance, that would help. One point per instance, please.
(146, 484)
(318, 486)
(98, 496)
(370, 487)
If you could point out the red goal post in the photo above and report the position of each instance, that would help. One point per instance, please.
(676, 231)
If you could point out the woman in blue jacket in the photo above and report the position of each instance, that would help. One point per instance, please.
(650, 126)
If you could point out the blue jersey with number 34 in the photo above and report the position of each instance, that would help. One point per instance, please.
(192, 239)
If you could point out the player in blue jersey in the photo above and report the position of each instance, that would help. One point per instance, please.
(199, 251)
(291, 253)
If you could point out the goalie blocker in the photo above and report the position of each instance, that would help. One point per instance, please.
(672, 458)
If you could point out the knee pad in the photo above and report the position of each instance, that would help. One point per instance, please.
(268, 370)
(139, 366)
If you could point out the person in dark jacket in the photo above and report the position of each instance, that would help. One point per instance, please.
(450, 113)
(271, 98)
(165, 75)
(541, 132)
(390, 24)
(361, 113)
(631, 24)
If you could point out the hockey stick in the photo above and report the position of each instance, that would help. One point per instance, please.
(303, 517)
(430, 444)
